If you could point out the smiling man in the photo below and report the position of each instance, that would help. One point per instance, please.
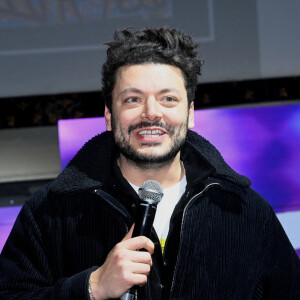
(149, 118)
(213, 236)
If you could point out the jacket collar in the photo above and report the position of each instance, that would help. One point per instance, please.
(89, 168)
(92, 167)
(200, 154)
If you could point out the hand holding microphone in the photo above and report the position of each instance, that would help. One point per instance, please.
(125, 267)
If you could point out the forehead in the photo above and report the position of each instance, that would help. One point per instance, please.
(149, 77)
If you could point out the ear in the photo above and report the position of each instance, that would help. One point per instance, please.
(191, 123)
(107, 115)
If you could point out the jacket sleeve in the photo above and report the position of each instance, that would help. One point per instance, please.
(26, 271)
(279, 276)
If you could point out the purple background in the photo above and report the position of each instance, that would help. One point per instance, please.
(261, 142)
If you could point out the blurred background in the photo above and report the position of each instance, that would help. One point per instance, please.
(51, 53)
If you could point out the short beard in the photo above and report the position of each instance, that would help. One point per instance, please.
(147, 160)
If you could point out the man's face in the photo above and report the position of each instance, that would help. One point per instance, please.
(150, 114)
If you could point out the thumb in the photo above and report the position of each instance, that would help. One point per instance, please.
(128, 234)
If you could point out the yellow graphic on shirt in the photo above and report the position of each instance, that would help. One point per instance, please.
(162, 244)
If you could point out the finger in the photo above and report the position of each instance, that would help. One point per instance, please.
(140, 242)
(128, 235)
(138, 268)
(139, 279)
(140, 257)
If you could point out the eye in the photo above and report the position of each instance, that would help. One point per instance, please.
(169, 99)
(132, 100)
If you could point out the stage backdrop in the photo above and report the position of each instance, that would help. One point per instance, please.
(53, 46)
(260, 142)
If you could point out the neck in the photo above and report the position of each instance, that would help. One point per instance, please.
(167, 174)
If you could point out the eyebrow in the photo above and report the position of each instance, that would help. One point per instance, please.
(138, 91)
(131, 90)
(169, 90)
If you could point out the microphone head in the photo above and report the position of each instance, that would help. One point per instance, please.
(151, 190)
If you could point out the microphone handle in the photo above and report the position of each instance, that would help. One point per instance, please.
(143, 225)
(145, 218)
(130, 295)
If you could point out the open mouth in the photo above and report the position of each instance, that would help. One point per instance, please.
(155, 133)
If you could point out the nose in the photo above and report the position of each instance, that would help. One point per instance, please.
(152, 110)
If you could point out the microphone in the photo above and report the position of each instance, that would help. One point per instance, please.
(150, 193)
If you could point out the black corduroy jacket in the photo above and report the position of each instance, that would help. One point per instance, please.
(225, 241)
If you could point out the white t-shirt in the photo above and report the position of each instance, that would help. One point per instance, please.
(165, 208)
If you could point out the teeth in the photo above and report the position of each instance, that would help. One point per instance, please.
(151, 133)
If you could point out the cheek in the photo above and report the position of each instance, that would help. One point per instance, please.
(121, 124)
(177, 118)
(128, 118)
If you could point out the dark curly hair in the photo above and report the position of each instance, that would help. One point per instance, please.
(151, 45)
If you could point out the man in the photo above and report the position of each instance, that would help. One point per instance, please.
(73, 239)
